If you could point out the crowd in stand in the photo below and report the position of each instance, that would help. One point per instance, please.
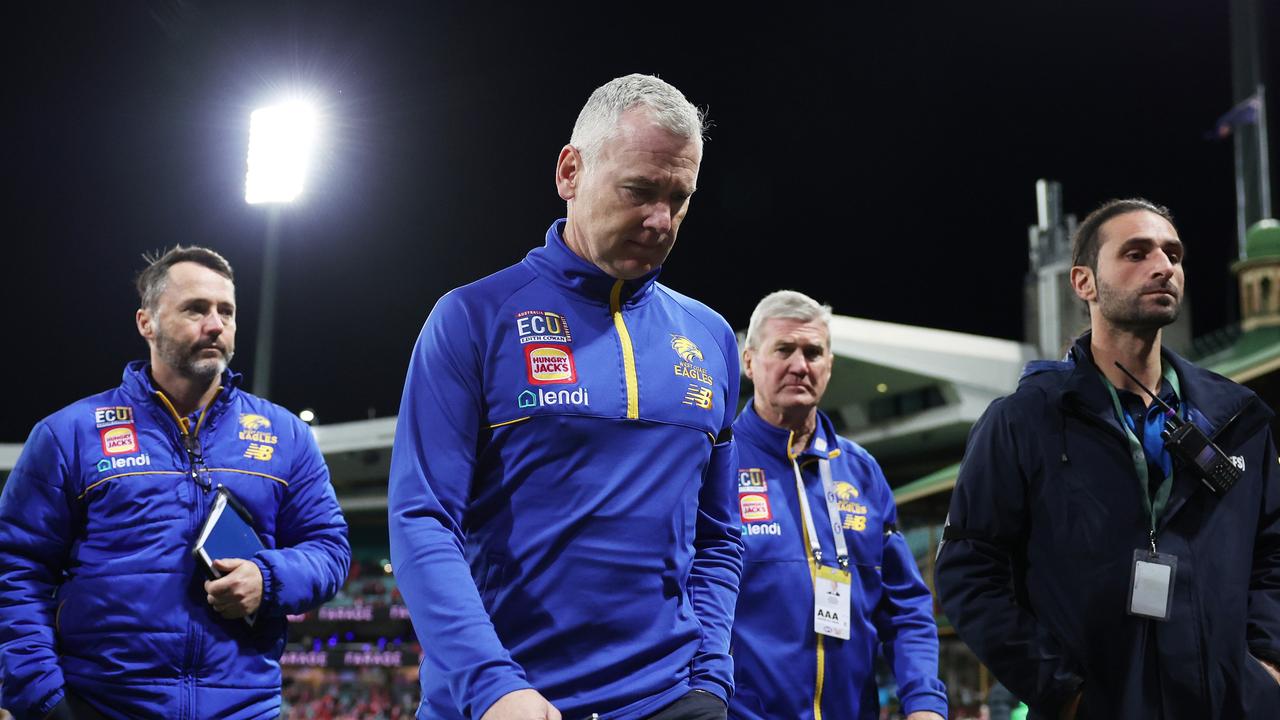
(367, 694)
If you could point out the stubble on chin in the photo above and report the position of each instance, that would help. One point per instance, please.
(188, 363)
(1129, 313)
(205, 370)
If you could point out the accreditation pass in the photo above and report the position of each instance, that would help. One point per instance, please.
(831, 602)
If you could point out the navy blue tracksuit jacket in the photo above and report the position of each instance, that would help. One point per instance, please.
(1046, 514)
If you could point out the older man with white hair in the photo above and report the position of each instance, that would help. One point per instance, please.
(562, 514)
(828, 579)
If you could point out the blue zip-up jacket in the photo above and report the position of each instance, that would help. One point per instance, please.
(99, 592)
(562, 504)
(778, 658)
(1035, 566)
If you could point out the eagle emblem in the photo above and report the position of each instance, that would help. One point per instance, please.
(254, 422)
(685, 348)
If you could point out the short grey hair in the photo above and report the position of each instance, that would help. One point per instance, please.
(598, 119)
(790, 305)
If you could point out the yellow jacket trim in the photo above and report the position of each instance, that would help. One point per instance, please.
(140, 472)
(509, 422)
(205, 409)
(182, 422)
(250, 472)
(173, 412)
(628, 353)
(813, 575)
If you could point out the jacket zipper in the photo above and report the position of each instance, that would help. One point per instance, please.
(628, 353)
(190, 440)
(820, 649)
(820, 659)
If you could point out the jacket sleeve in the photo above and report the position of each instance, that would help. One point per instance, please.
(974, 573)
(718, 549)
(313, 554)
(433, 460)
(1263, 624)
(904, 617)
(36, 531)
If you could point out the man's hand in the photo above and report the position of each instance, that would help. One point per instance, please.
(521, 705)
(238, 592)
(1272, 670)
(925, 715)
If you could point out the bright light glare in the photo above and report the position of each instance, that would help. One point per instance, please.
(307, 416)
(280, 143)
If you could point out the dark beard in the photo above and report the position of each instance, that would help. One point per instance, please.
(1127, 311)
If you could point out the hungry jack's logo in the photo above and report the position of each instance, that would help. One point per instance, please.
(754, 507)
(119, 440)
(550, 364)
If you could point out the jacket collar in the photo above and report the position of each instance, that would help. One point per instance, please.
(139, 386)
(777, 441)
(559, 265)
(1211, 400)
(1224, 410)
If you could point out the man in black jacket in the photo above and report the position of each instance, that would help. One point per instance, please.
(1092, 572)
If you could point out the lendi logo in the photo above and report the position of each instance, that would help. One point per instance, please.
(542, 397)
(121, 463)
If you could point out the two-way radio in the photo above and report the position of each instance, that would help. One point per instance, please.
(1193, 448)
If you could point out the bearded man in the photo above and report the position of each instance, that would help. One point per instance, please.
(104, 612)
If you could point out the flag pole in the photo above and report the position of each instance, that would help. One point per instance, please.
(1264, 165)
(1238, 146)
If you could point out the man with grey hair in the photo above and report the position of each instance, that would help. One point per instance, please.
(828, 580)
(561, 505)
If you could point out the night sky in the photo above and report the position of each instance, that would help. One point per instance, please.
(879, 156)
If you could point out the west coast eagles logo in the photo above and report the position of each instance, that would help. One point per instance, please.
(685, 348)
(254, 422)
(853, 513)
(256, 428)
(689, 354)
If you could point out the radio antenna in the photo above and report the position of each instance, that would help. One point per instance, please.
(1170, 411)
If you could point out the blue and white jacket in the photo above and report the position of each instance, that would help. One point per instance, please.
(783, 668)
(99, 592)
(562, 503)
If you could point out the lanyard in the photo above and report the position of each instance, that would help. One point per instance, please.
(1139, 455)
(833, 509)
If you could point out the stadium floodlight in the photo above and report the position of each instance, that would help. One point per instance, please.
(280, 142)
